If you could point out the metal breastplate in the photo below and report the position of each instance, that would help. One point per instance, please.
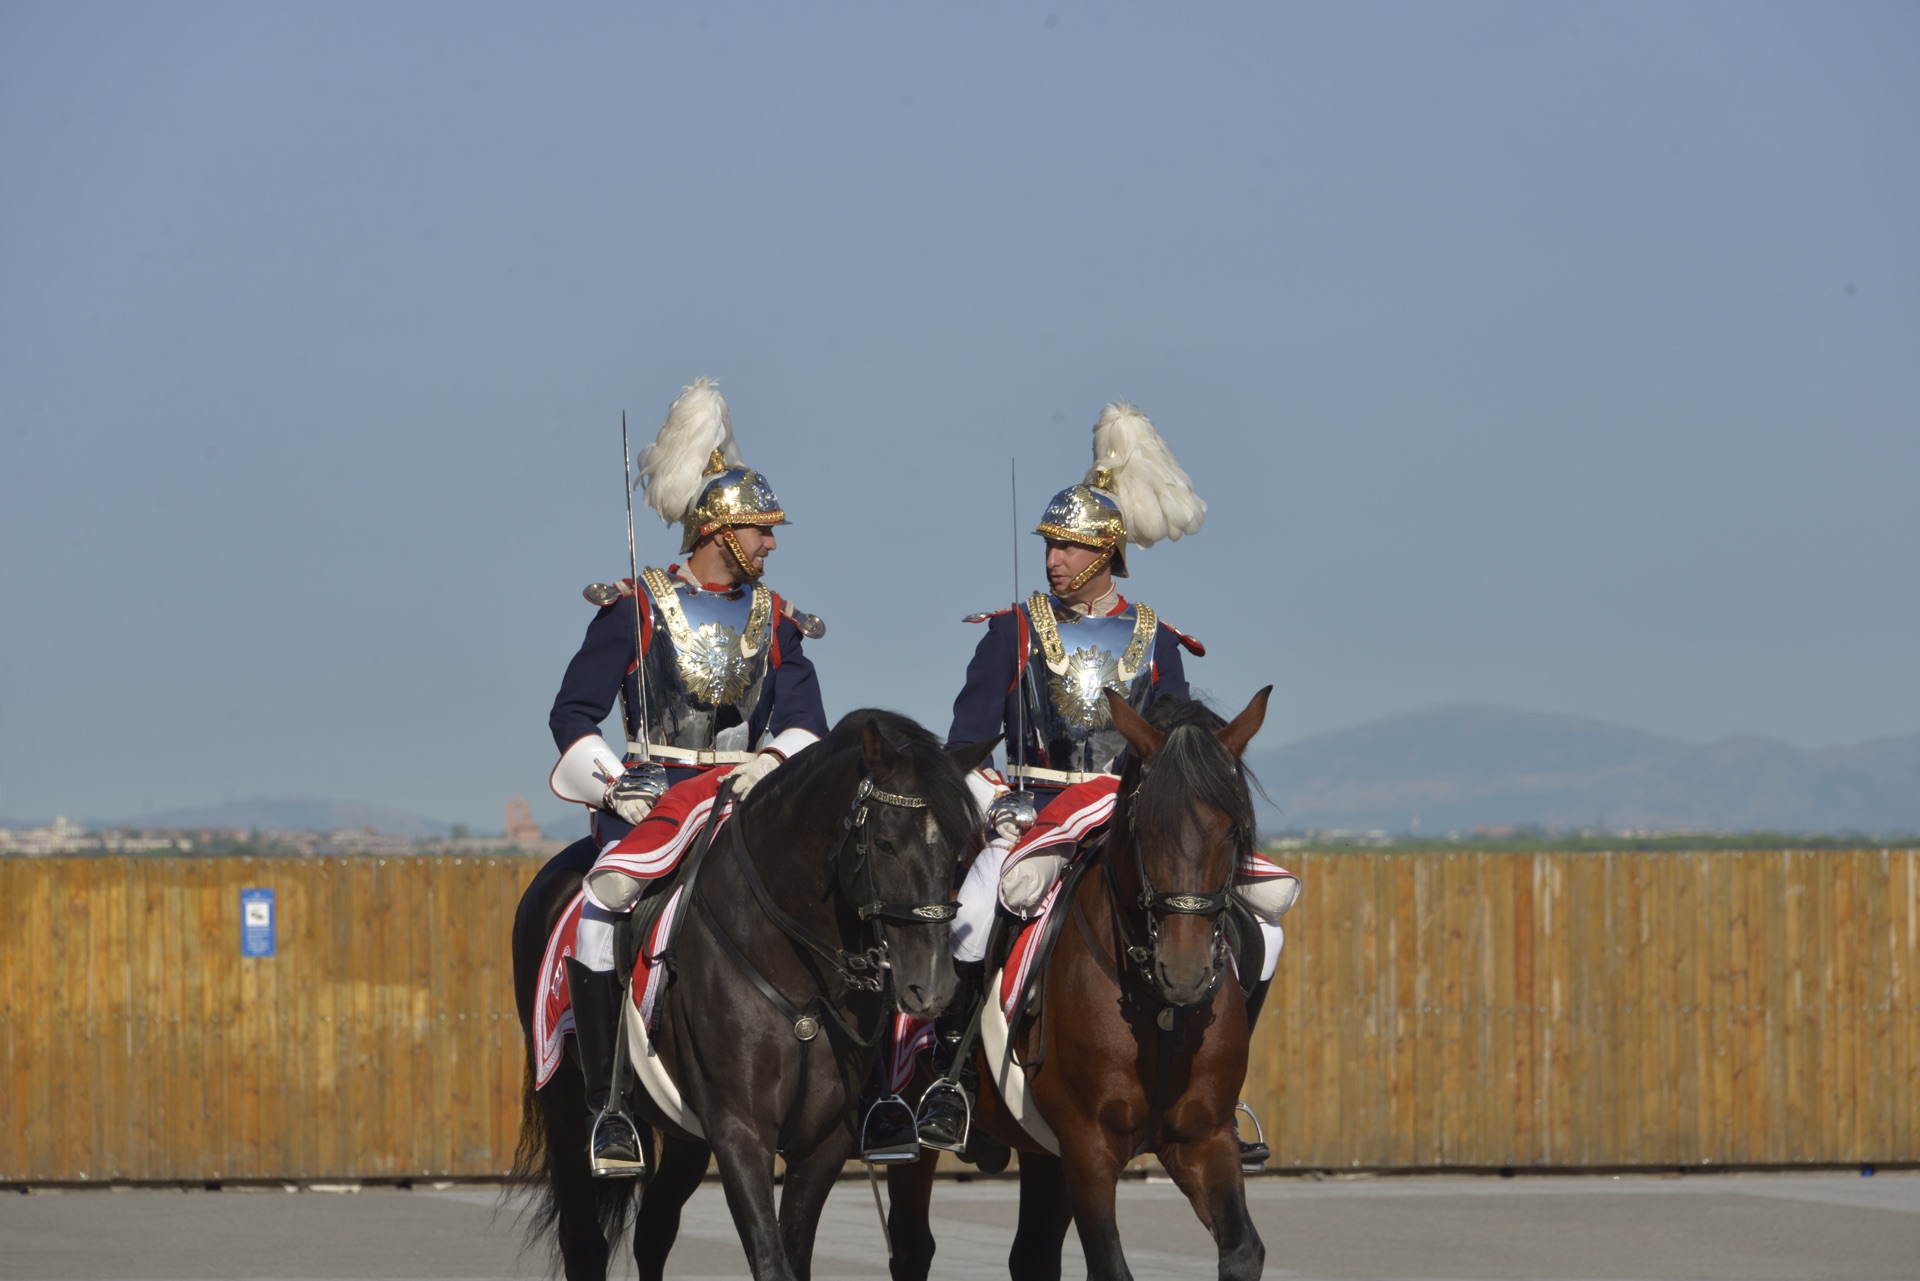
(1070, 668)
(706, 663)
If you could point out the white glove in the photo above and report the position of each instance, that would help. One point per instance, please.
(630, 799)
(748, 773)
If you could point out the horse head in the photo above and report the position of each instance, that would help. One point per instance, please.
(1184, 819)
(915, 820)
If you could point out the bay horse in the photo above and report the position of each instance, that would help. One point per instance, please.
(770, 1027)
(1141, 1039)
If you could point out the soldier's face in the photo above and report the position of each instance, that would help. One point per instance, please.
(756, 543)
(1065, 561)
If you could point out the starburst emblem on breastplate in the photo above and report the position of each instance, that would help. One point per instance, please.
(714, 669)
(1080, 691)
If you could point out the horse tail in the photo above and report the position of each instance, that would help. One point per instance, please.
(549, 1164)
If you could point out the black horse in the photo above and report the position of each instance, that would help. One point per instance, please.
(771, 1026)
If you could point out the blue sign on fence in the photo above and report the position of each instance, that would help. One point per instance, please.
(256, 922)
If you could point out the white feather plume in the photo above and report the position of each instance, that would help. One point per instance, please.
(1154, 494)
(673, 468)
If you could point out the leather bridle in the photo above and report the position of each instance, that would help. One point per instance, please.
(1158, 904)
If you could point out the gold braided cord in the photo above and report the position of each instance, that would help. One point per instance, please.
(739, 554)
(1094, 566)
(687, 644)
(1144, 623)
(1046, 630)
(1067, 534)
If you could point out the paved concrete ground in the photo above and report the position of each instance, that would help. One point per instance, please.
(1752, 1227)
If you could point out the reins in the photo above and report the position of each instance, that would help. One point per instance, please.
(863, 971)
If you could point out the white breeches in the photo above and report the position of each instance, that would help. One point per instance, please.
(977, 896)
(981, 888)
(593, 940)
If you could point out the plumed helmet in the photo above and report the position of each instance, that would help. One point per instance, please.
(1135, 491)
(692, 473)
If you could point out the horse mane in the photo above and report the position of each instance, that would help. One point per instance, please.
(942, 782)
(1191, 765)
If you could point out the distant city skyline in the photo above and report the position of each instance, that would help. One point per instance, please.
(1557, 357)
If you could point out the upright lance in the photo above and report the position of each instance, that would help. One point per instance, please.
(1020, 690)
(644, 766)
(1018, 805)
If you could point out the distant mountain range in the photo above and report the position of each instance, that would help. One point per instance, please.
(1454, 768)
(1448, 769)
(289, 814)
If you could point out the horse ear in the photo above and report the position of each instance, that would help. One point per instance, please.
(968, 756)
(1236, 736)
(1143, 738)
(879, 751)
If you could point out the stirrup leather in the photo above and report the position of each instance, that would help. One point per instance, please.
(888, 1133)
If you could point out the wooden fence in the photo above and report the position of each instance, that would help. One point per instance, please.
(1432, 1009)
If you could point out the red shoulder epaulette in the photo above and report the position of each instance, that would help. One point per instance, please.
(1193, 646)
(992, 613)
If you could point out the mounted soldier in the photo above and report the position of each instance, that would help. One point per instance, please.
(1041, 675)
(708, 666)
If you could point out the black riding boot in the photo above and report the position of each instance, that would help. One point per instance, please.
(946, 1109)
(613, 1144)
(1255, 1155)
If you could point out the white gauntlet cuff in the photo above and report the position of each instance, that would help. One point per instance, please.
(586, 770)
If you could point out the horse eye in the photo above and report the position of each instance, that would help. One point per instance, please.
(885, 846)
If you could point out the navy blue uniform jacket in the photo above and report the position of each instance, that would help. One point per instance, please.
(789, 698)
(986, 703)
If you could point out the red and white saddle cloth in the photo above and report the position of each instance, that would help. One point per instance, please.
(654, 848)
(649, 851)
(1073, 817)
(553, 1008)
(1081, 810)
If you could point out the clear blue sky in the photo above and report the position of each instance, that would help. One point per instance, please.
(1563, 356)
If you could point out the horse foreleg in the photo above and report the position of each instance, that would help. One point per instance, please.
(1208, 1171)
(1045, 1216)
(909, 1202)
(657, 1225)
(1092, 1169)
(803, 1195)
(745, 1157)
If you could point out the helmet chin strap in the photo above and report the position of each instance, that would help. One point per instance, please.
(739, 554)
(1094, 566)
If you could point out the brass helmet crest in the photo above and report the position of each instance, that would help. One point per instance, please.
(734, 495)
(1135, 491)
